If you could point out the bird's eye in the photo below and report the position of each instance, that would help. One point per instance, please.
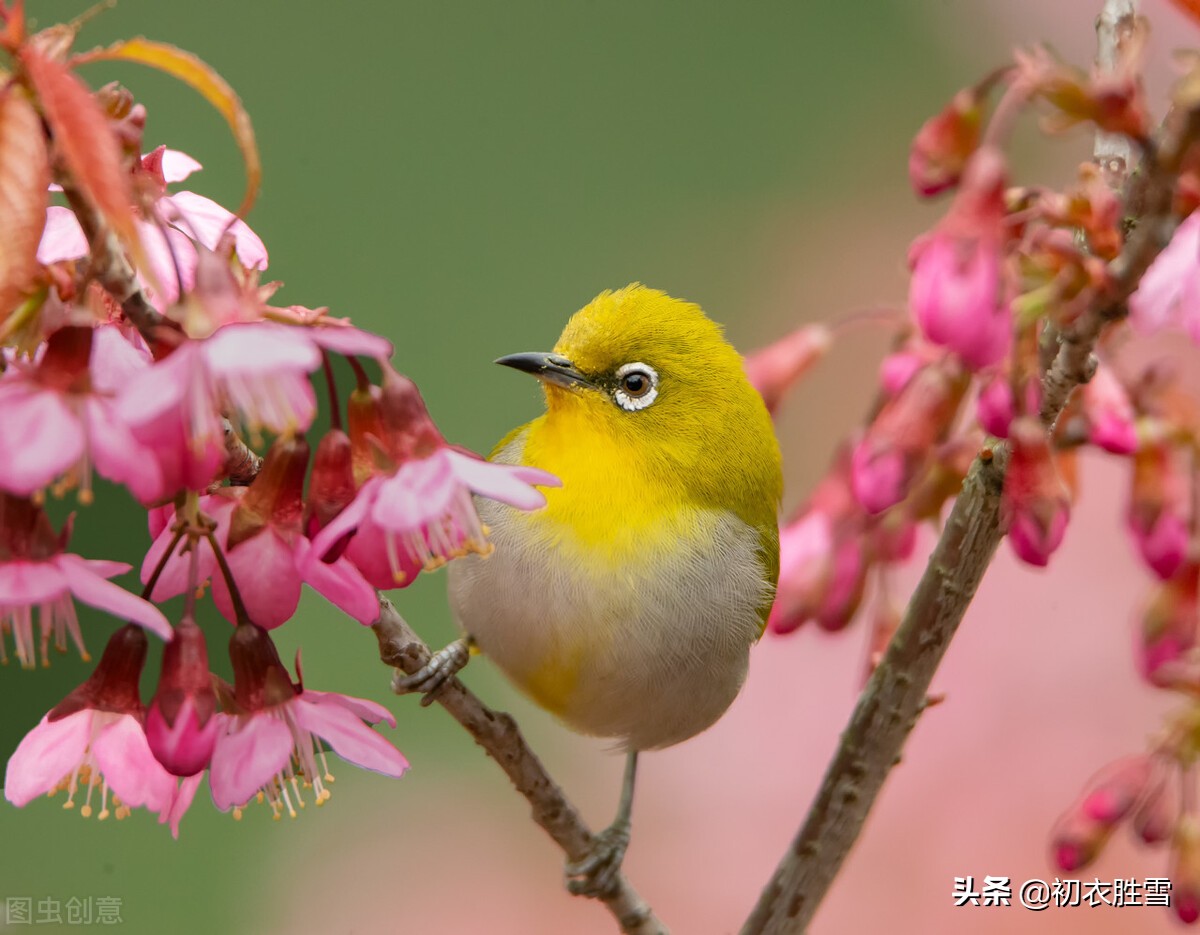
(637, 386)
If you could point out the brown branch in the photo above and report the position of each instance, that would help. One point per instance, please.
(497, 733)
(109, 266)
(896, 694)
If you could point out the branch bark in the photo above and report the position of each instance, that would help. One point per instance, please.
(497, 733)
(896, 694)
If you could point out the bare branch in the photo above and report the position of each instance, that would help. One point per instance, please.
(497, 733)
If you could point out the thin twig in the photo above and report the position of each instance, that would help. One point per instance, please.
(497, 733)
(896, 694)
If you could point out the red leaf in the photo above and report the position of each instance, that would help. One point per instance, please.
(24, 176)
(86, 140)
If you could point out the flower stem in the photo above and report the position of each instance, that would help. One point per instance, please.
(162, 562)
(335, 411)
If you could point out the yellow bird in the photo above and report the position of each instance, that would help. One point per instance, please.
(628, 605)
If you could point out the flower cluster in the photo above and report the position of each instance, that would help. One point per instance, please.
(999, 289)
(137, 342)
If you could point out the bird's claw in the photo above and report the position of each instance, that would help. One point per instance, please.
(432, 677)
(596, 874)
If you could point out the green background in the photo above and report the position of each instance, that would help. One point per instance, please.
(461, 177)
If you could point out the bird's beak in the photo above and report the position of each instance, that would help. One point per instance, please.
(549, 368)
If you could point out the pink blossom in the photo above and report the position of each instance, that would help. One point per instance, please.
(94, 739)
(774, 369)
(423, 512)
(957, 292)
(271, 744)
(995, 407)
(181, 726)
(35, 573)
(845, 587)
(1159, 512)
(1035, 505)
(418, 513)
(897, 445)
(60, 417)
(1109, 412)
(1168, 295)
(183, 219)
(805, 569)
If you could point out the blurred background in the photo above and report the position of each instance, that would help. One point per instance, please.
(463, 176)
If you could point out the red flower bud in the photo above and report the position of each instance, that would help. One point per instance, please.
(774, 369)
(1035, 505)
(945, 142)
(180, 727)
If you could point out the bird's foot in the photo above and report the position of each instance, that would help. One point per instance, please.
(432, 677)
(596, 874)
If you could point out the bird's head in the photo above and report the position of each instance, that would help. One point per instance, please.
(642, 372)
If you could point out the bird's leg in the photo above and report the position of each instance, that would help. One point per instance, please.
(432, 677)
(596, 874)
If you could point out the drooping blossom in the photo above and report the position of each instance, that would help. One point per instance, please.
(93, 740)
(271, 744)
(899, 442)
(59, 417)
(36, 574)
(181, 724)
(1035, 505)
(418, 512)
(1159, 512)
(957, 293)
(1109, 798)
(259, 529)
(1109, 412)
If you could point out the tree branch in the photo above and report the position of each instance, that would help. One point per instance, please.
(497, 733)
(895, 696)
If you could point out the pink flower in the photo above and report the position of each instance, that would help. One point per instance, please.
(60, 417)
(774, 369)
(1109, 412)
(181, 726)
(1035, 505)
(272, 744)
(995, 408)
(1108, 799)
(1159, 507)
(183, 220)
(956, 291)
(898, 444)
(35, 573)
(945, 142)
(805, 569)
(420, 513)
(1168, 626)
(1168, 295)
(94, 739)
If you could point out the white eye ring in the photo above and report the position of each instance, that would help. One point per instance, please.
(634, 403)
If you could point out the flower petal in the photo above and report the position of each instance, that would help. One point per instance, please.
(346, 521)
(341, 584)
(45, 755)
(181, 802)
(129, 768)
(360, 707)
(350, 340)
(350, 738)
(62, 238)
(177, 165)
(90, 588)
(265, 571)
(118, 455)
(251, 750)
(261, 348)
(23, 583)
(508, 483)
(207, 221)
(40, 435)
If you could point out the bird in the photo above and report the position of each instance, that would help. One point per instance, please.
(627, 606)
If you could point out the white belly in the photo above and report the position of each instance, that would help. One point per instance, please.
(650, 652)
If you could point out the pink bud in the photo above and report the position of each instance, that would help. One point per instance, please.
(1109, 412)
(957, 292)
(897, 369)
(995, 407)
(945, 142)
(1159, 512)
(180, 727)
(1117, 788)
(1035, 505)
(1154, 818)
(805, 568)
(1185, 870)
(845, 587)
(1168, 627)
(898, 444)
(1077, 840)
(774, 369)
